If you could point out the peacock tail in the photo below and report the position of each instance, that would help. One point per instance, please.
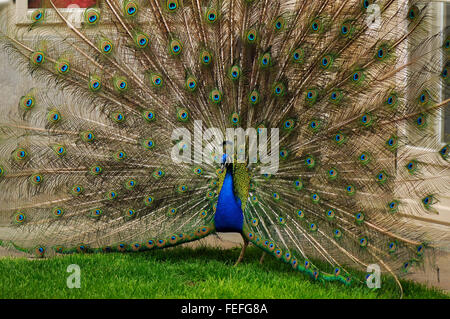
(349, 85)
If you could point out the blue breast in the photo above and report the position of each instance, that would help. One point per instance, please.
(229, 216)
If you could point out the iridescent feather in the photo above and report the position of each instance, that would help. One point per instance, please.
(93, 172)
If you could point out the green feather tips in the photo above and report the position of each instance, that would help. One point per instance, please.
(206, 58)
(254, 98)
(141, 40)
(211, 15)
(106, 46)
(156, 80)
(62, 67)
(316, 25)
(37, 58)
(191, 84)
(95, 83)
(265, 61)
(235, 119)
(120, 84)
(118, 117)
(279, 24)
(91, 16)
(27, 102)
(235, 73)
(298, 55)
(175, 47)
(172, 5)
(130, 9)
(53, 117)
(251, 36)
(149, 115)
(183, 115)
(38, 15)
(444, 151)
(215, 96)
(20, 155)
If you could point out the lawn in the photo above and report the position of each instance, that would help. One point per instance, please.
(181, 273)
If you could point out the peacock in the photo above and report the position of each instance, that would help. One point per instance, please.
(323, 100)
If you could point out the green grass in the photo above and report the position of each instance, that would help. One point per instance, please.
(181, 273)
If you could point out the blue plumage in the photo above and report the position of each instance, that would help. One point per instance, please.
(229, 216)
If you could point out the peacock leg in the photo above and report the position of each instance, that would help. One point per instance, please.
(262, 258)
(244, 247)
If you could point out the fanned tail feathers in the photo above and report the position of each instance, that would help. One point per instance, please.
(93, 171)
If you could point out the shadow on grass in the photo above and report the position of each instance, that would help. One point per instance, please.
(184, 272)
(206, 255)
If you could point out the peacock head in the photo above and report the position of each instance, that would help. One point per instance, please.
(227, 160)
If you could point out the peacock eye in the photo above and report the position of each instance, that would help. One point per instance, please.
(380, 53)
(366, 3)
(445, 73)
(91, 16)
(444, 151)
(131, 8)
(172, 5)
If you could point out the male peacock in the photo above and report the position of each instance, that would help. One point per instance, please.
(349, 84)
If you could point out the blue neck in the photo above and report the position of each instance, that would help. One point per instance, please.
(229, 216)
